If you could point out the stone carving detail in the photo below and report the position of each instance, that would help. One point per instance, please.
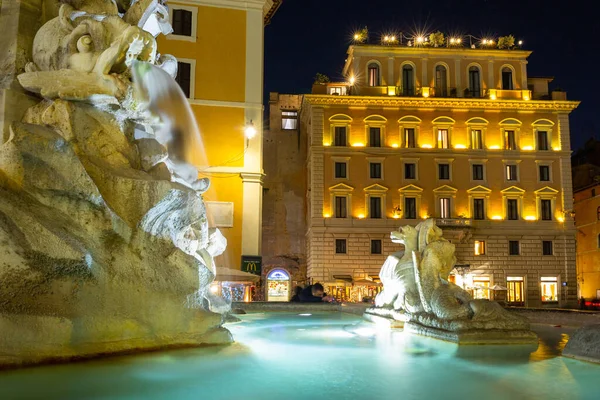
(416, 288)
(103, 234)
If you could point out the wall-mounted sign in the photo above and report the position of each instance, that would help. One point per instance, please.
(252, 264)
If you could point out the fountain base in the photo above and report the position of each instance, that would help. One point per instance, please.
(475, 336)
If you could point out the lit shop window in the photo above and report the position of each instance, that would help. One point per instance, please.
(515, 294)
(549, 289)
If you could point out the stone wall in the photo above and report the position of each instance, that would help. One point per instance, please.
(284, 201)
(496, 264)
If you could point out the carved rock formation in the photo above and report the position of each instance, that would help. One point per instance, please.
(103, 249)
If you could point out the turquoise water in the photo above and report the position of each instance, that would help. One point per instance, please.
(320, 356)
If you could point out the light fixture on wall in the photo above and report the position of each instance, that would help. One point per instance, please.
(397, 210)
(250, 130)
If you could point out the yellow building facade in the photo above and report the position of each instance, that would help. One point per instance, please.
(587, 216)
(219, 48)
(458, 134)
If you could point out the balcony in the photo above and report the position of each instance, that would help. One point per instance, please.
(343, 89)
(498, 94)
(453, 222)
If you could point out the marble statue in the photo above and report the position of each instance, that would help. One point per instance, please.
(103, 231)
(417, 291)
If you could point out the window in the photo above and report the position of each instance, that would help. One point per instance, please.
(337, 90)
(443, 171)
(376, 246)
(374, 137)
(340, 246)
(549, 289)
(375, 207)
(474, 82)
(182, 22)
(478, 209)
(511, 173)
(513, 248)
(547, 248)
(184, 76)
(544, 173)
(409, 138)
(479, 248)
(410, 208)
(512, 208)
(594, 194)
(375, 170)
(289, 120)
(480, 283)
(410, 171)
(445, 207)
(408, 81)
(599, 241)
(341, 210)
(443, 139)
(374, 74)
(507, 79)
(441, 86)
(510, 142)
(477, 172)
(341, 170)
(340, 136)
(598, 213)
(476, 139)
(515, 294)
(542, 140)
(546, 207)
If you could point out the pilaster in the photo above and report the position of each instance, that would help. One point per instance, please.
(252, 213)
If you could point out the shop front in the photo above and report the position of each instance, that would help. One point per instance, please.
(279, 285)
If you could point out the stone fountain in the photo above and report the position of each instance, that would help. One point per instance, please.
(104, 240)
(418, 296)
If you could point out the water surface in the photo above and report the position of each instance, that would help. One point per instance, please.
(319, 356)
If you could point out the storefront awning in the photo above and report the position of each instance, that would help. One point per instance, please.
(234, 275)
(345, 278)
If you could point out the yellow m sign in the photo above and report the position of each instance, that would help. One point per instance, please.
(251, 267)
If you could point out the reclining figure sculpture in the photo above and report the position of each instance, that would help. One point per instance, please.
(417, 291)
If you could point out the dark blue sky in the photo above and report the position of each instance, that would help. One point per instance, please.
(310, 36)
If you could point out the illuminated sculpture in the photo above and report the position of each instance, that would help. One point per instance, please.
(103, 231)
(416, 291)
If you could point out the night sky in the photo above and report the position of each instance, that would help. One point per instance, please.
(310, 36)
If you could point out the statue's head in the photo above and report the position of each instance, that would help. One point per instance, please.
(406, 235)
(90, 48)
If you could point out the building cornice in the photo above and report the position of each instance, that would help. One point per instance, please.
(271, 7)
(463, 52)
(268, 7)
(440, 103)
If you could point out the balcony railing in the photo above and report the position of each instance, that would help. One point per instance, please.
(453, 222)
(395, 91)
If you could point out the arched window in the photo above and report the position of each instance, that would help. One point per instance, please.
(507, 79)
(441, 84)
(374, 74)
(408, 80)
(474, 82)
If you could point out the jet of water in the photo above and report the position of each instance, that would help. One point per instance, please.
(179, 130)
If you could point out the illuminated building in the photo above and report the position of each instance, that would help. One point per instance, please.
(586, 184)
(463, 135)
(219, 48)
